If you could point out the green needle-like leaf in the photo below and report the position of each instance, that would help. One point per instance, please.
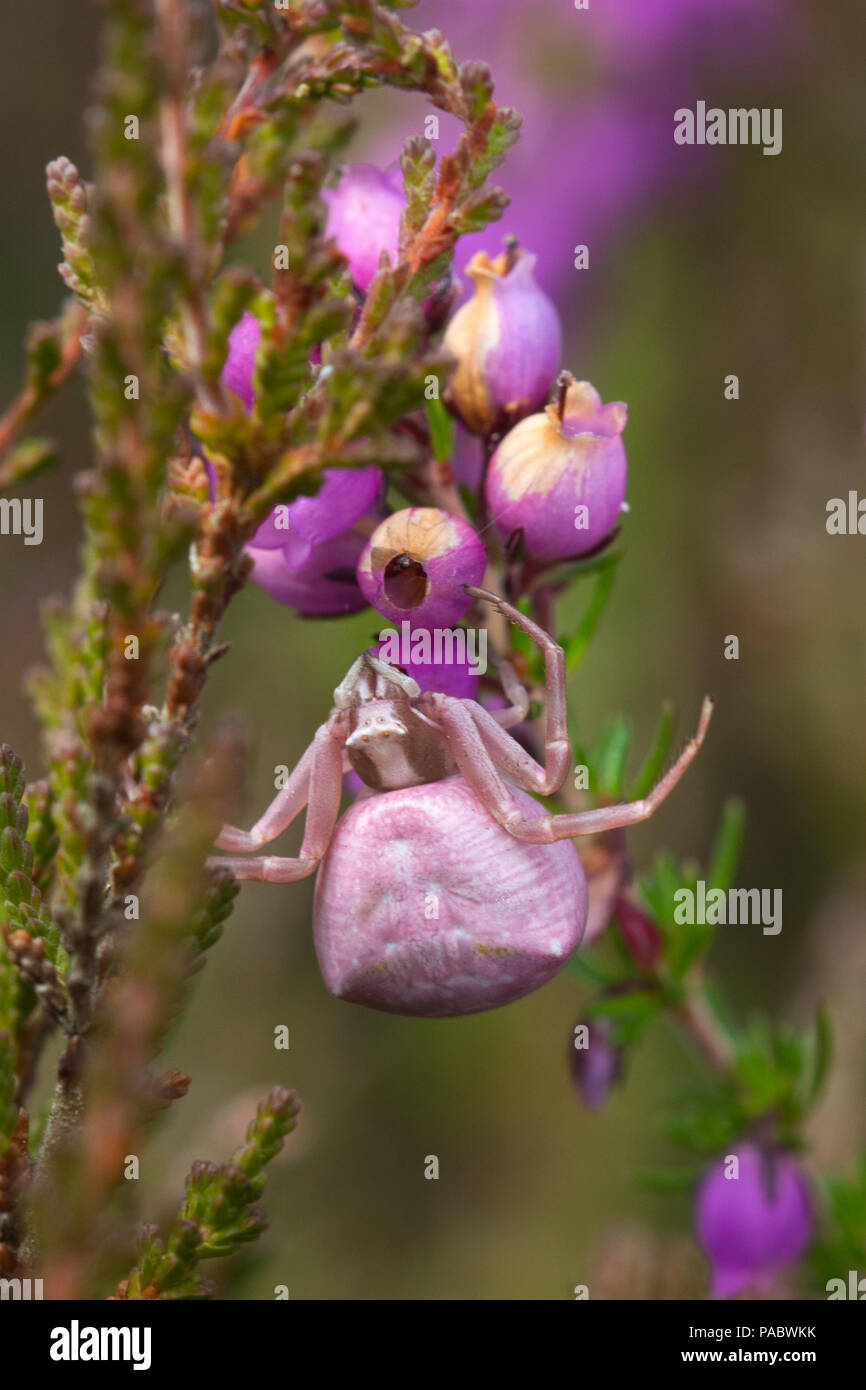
(656, 757)
(726, 850)
(577, 643)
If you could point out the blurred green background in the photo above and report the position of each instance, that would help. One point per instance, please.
(758, 271)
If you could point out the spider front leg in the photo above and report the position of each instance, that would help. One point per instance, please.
(474, 760)
(557, 749)
(316, 783)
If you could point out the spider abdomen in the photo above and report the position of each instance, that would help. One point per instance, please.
(426, 906)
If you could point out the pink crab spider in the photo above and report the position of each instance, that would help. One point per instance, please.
(453, 890)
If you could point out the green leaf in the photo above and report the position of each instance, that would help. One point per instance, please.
(418, 164)
(575, 645)
(8, 1084)
(441, 429)
(704, 1131)
(26, 459)
(670, 881)
(482, 206)
(655, 758)
(503, 133)
(608, 758)
(822, 1055)
(477, 85)
(841, 1245)
(726, 850)
(218, 1214)
(652, 898)
(629, 1013)
(586, 965)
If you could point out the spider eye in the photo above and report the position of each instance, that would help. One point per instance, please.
(405, 581)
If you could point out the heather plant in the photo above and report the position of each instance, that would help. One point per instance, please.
(297, 428)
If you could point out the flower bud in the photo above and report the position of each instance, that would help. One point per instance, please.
(753, 1224)
(596, 1068)
(364, 212)
(507, 342)
(305, 554)
(560, 475)
(416, 564)
(641, 936)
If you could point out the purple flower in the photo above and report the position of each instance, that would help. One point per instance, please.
(560, 476)
(753, 1224)
(416, 564)
(243, 342)
(596, 1068)
(364, 213)
(507, 340)
(305, 554)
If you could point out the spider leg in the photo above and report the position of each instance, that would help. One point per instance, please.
(477, 766)
(513, 759)
(557, 749)
(346, 689)
(289, 801)
(516, 695)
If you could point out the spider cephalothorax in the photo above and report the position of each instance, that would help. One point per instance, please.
(452, 890)
(391, 742)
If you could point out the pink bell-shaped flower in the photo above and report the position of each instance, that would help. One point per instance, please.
(560, 476)
(753, 1217)
(416, 564)
(507, 342)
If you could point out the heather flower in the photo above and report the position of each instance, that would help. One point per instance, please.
(596, 1068)
(560, 476)
(507, 341)
(306, 552)
(459, 678)
(416, 564)
(243, 342)
(364, 213)
(305, 555)
(752, 1225)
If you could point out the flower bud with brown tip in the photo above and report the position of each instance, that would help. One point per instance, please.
(507, 342)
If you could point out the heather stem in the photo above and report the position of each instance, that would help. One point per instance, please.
(695, 1016)
(175, 161)
(61, 1131)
